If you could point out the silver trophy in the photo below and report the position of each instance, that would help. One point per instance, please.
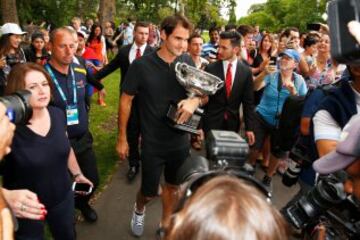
(197, 83)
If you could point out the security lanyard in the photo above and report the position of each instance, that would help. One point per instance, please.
(57, 85)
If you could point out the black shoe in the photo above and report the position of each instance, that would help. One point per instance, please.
(88, 213)
(267, 182)
(132, 172)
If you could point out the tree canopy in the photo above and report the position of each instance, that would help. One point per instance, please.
(272, 15)
(277, 14)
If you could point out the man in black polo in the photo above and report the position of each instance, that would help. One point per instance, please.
(69, 80)
(152, 79)
(122, 60)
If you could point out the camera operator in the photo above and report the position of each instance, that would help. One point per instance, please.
(242, 214)
(6, 135)
(345, 156)
(6, 132)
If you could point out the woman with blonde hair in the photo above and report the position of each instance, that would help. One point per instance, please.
(227, 208)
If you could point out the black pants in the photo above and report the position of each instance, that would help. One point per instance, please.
(86, 159)
(133, 134)
(60, 219)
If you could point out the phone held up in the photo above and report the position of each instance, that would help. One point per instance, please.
(273, 61)
(82, 188)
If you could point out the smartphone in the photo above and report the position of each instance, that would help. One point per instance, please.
(82, 187)
(273, 61)
(313, 26)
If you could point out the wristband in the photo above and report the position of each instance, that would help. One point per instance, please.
(77, 175)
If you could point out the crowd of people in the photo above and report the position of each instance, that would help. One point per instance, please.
(260, 71)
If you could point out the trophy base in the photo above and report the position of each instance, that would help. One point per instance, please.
(189, 126)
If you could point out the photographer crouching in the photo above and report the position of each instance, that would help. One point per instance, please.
(331, 210)
(6, 135)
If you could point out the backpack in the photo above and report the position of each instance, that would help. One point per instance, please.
(289, 122)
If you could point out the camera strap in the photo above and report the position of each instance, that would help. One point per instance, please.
(57, 85)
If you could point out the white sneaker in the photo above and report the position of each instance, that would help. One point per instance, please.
(137, 223)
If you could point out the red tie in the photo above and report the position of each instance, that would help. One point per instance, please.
(228, 80)
(138, 53)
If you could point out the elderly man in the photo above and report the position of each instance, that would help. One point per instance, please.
(278, 86)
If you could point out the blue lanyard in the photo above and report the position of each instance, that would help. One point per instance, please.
(57, 85)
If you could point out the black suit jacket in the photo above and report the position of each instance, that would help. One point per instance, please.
(241, 93)
(121, 61)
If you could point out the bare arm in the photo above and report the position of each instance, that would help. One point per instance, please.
(123, 118)
(259, 79)
(75, 169)
(325, 146)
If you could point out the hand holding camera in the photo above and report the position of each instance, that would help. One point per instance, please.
(354, 29)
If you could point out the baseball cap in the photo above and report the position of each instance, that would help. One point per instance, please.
(11, 28)
(292, 54)
(347, 150)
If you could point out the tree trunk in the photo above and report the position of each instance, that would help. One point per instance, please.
(107, 11)
(9, 11)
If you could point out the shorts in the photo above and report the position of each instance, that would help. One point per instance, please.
(262, 129)
(153, 164)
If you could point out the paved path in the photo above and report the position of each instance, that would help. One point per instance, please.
(115, 205)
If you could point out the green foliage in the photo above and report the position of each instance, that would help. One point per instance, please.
(275, 15)
(103, 126)
(57, 12)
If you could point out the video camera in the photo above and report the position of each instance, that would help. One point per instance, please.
(344, 47)
(327, 204)
(226, 155)
(17, 105)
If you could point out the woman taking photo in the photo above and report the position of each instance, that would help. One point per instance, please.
(37, 169)
(324, 70)
(10, 51)
(261, 60)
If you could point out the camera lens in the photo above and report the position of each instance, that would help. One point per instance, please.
(17, 106)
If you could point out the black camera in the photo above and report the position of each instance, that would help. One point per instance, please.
(326, 202)
(344, 47)
(226, 154)
(299, 159)
(17, 105)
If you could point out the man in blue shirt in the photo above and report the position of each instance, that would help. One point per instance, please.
(209, 50)
(278, 86)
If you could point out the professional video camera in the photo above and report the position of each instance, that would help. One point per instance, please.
(17, 105)
(326, 204)
(227, 153)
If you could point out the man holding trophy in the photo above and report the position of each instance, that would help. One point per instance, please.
(165, 145)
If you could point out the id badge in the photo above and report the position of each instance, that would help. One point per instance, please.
(72, 115)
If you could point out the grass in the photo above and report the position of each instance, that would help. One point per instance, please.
(103, 126)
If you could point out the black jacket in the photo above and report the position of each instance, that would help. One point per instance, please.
(241, 93)
(121, 61)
